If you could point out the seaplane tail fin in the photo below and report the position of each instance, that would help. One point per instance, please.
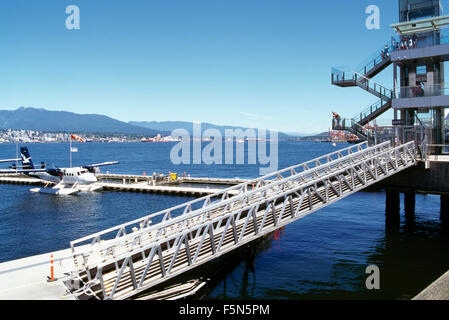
(27, 163)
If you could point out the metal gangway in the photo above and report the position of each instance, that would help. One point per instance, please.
(125, 260)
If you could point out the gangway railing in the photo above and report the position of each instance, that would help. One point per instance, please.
(184, 208)
(129, 263)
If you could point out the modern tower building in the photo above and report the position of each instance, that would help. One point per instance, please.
(419, 97)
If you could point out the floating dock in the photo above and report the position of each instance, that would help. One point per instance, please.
(186, 186)
(16, 179)
(145, 187)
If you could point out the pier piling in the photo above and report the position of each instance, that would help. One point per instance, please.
(392, 208)
(409, 203)
(444, 210)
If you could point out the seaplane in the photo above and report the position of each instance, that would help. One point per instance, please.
(60, 181)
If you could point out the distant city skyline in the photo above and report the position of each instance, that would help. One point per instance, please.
(249, 63)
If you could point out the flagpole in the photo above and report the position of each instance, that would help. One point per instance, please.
(70, 139)
(17, 155)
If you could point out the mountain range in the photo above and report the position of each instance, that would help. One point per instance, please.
(40, 119)
(172, 125)
(63, 121)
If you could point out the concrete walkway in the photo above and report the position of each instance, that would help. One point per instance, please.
(438, 290)
(26, 279)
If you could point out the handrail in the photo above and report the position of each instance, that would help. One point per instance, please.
(417, 91)
(369, 110)
(400, 44)
(362, 81)
(382, 90)
(380, 55)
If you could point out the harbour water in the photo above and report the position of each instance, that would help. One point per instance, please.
(322, 256)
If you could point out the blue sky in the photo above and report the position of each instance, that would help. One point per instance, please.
(258, 63)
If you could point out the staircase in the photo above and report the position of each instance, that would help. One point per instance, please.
(362, 79)
(372, 66)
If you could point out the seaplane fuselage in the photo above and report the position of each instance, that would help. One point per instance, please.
(68, 176)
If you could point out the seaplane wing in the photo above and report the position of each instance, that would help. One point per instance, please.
(22, 170)
(10, 160)
(96, 165)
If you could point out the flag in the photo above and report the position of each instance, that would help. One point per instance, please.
(75, 137)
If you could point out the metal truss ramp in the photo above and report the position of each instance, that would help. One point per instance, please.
(125, 260)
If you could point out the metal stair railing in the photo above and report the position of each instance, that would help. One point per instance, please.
(371, 112)
(378, 59)
(358, 79)
(370, 67)
(170, 248)
(373, 87)
(354, 127)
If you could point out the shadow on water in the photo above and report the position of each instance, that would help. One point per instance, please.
(411, 252)
(411, 255)
(215, 272)
(244, 260)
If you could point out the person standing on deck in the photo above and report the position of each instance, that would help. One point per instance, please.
(337, 119)
(386, 53)
(415, 40)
